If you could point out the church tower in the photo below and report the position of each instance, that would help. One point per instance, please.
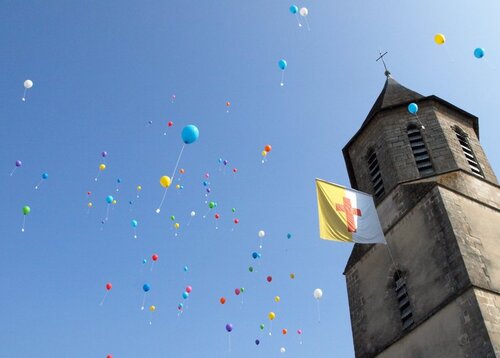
(434, 290)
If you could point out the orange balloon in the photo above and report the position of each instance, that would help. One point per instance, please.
(268, 148)
(228, 104)
(222, 300)
(182, 171)
(284, 331)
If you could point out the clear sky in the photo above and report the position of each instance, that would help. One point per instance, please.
(103, 69)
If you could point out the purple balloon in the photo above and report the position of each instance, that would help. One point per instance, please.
(208, 190)
(229, 327)
(104, 154)
(18, 163)
(257, 342)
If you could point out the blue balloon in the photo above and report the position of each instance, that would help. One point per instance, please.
(130, 202)
(479, 52)
(288, 236)
(190, 134)
(45, 175)
(144, 261)
(185, 295)
(109, 199)
(186, 269)
(146, 287)
(256, 255)
(134, 223)
(205, 183)
(413, 108)
(282, 63)
(257, 342)
(293, 9)
(118, 180)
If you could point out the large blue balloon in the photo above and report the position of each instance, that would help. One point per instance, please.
(282, 63)
(109, 199)
(413, 108)
(146, 287)
(190, 134)
(294, 9)
(479, 52)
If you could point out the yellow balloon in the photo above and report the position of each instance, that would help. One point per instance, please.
(114, 201)
(102, 167)
(271, 316)
(139, 188)
(277, 298)
(152, 308)
(165, 181)
(177, 186)
(439, 39)
(292, 276)
(177, 225)
(264, 153)
(89, 205)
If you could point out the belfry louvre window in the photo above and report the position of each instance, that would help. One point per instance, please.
(375, 175)
(422, 158)
(469, 154)
(403, 300)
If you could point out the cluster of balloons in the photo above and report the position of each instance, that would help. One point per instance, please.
(282, 64)
(440, 39)
(294, 9)
(265, 152)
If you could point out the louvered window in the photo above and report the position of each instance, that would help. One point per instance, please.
(375, 175)
(403, 300)
(422, 158)
(469, 154)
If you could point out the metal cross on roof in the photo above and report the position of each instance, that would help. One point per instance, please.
(387, 73)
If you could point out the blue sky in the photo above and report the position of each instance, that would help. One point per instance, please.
(102, 70)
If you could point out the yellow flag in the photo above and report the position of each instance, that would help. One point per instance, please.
(347, 215)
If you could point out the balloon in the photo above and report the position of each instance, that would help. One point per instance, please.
(304, 12)
(222, 300)
(263, 153)
(170, 123)
(257, 342)
(439, 39)
(225, 162)
(271, 316)
(152, 308)
(284, 331)
(109, 199)
(261, 326)
(172, 217)
(288, 236)
(179, 306)
(236, 221)
(237, 291)
(134, 223)
(233, 210)
(479, 52)
(193, 213)
(139, 188)
(190, 134)
(104, 154)
(235, 170)
(109, 286)
(165, 181)
(18, 163)
(282, 64)
(242, 289)
(45, 175)
(282, 350)
(146, 287)
(294, 9)
(189, 289)
(250, 269)
(268, 148)
(229, 327)
(144, 261)
(277, 298)
(109, 356)
(269, 278)
(207, 175)
(186, 269)
(182, 171)
(118, 180)
(212, 204)
(28, 84)
(256, 255)
(102, 167)
(89, 204)
(262, 233)
(299, 331)
(228, 104)
(413, 108)
(26, 210)
(292, 276)
(318, 293)
(177, 225)
(155, 257)
(114, 202)
(217, 216)
(185, 295)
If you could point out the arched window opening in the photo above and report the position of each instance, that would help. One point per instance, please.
(467, 150)
(375, 175)
(403, 299)
(420, 153)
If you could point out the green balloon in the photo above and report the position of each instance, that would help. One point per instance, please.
(211, 205)
(172, 218)
(233, 210)
(26, 210)
(242, 289)
(262, 326)
(250, 269)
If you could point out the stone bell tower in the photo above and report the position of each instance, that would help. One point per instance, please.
(434, 290)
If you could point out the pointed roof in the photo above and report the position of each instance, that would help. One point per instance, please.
(392, 94)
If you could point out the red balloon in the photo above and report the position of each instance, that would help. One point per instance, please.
(235, 170)
(269, 278)
(109, 356)
(268, 148)
(236, 221)
(217, 216)
(237, 291)
(222, 300)
(154, 257)
(109, 286)
(89, 193)
(189, 289)
(170, 124)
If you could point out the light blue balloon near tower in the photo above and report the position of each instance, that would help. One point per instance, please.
(282, 64)
(413, 108)
(479, 52)
(190, 134)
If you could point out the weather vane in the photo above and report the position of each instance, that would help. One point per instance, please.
(387, 73)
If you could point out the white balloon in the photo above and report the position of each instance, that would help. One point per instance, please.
(262, 233)
(193, 213)
(28, 84)
(303, 11)
(282, 350)
(318, 293)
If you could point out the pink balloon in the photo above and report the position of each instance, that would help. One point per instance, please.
(189, 289)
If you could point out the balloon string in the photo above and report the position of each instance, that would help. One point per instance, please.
(135, 233)
(178, 160)
(97, 176)
(150, 317)
(162, 200)
(419, 122)
(24, 222)
(104, 298)
(282, 78)
(307, 23)
(298, 21)
(229, 342)
(319, 312)
(24, 95)
(38, 185)
(204, 216)
(143, 301)
(107, 213)
(152, 265)
(13, 171)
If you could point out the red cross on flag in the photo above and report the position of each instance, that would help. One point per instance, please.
(347, 215)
